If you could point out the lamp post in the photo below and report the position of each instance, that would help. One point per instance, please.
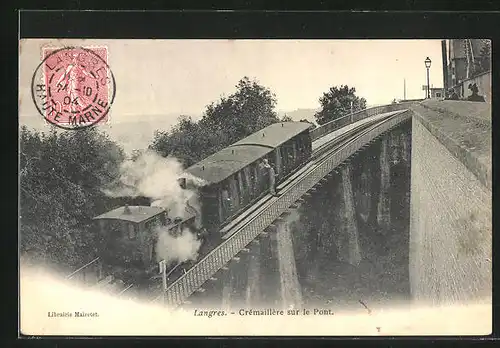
(427, 66)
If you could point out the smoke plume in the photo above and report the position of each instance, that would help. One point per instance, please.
(155, 177)
(293, 218)
(177, 249)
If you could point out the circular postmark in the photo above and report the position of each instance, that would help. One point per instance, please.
(73, 87)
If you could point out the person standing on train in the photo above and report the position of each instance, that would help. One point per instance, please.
(272, 176)
(263, 173)
(272, 181)
(226, 202)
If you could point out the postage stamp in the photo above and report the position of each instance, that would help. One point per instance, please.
(73, 87)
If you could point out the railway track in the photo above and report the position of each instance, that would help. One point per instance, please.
(321, 152)
(318, 154)
(239, 233)
(109, 284)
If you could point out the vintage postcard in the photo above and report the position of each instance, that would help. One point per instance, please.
(255, 187)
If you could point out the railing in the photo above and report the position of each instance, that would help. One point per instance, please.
(183, 287)
(196, 276)
(356, 116)
(90, 270)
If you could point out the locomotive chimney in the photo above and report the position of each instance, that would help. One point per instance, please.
(182, 182)
(127, 210)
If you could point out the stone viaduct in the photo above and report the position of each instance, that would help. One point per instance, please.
(408, 217)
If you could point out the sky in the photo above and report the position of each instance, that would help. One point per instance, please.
(156, 77)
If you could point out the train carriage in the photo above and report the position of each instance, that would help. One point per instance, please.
(234, 177)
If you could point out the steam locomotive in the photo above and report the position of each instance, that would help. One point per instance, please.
(233, 179)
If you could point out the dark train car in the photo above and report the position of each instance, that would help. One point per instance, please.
(235, 177)
(128, 240)
(291, 144)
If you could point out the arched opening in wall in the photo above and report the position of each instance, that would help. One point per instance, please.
(399, 193)
(382, 275)
(397, 239)
(366, 190)
(311, 234)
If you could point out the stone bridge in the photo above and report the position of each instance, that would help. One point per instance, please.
(395, 205)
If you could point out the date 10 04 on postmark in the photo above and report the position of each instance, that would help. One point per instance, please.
(73, 87)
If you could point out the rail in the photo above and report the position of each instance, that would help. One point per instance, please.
(354, 117)
(315, 134)
(183, 287)
(124, 290)
(82, 268)
(318, 151)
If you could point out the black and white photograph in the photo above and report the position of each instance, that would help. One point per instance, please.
(242, 187)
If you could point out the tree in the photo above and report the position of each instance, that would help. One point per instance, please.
(337, 102)
(61, 177)
(286, 118)
(244, 112)
(248, 110)
(307, 121)
(188, 141)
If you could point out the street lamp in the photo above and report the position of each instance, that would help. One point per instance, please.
(428, 65)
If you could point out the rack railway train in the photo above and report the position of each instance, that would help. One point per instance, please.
(234, 179)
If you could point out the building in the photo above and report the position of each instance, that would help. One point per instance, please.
(436, 92)
(467, 62)
(467, 58)
(457, 66)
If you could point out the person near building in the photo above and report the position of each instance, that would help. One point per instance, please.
(452, 95)
(475, 96)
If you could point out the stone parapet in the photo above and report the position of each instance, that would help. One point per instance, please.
(464, 128)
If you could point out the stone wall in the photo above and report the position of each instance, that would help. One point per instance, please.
(450, 225)
(483, 82)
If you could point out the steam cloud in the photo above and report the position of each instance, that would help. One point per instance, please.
(155, 177)
(179, 249)
(293, 218)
